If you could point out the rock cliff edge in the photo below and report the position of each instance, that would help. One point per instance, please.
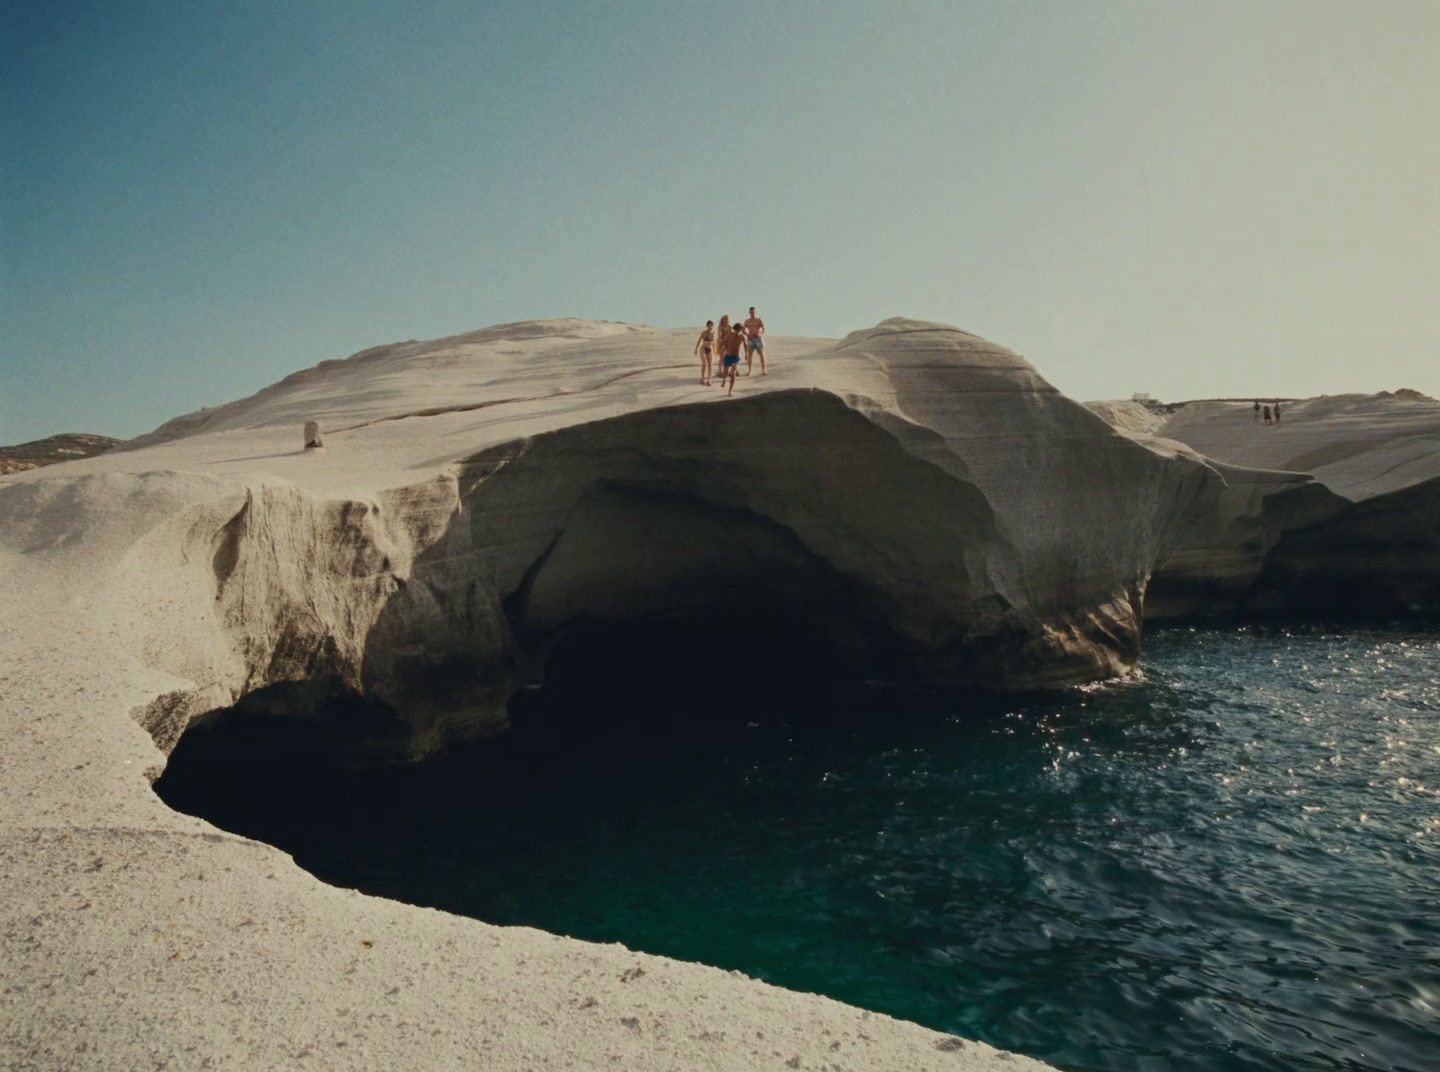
(911, 498)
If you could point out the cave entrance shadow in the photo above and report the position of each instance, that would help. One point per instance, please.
(306, 767)
(670, 676)
(674, 529)
(583, 604)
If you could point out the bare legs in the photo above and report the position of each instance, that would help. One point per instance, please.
(750, 352)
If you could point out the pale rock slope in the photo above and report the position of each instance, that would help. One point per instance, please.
(1331, 510)
(1357, 445)
(1127, 416)
(917, 498)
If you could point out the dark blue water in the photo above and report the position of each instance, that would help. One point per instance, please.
(1233, 864)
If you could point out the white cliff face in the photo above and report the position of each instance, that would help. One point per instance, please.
(1357, 445)
(1087, 511)
(1323, 513)
(916, 497)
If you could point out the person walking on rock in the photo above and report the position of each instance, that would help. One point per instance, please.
(1257, 411)
(730, 363)
(755, 330)
(705, 347)
(1277, 411)
(1267, 415)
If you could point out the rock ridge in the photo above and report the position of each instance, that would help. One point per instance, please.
(919, 499)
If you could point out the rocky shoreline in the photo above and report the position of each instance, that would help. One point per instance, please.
(912, 497)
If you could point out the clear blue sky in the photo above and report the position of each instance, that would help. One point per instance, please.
(1189, 198)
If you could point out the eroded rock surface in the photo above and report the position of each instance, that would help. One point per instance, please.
(1328, 512)
(915, 498)
(920, 500)
(1357, 445)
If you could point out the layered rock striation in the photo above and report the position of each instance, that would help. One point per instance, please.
(1329, 512)
(912, 500)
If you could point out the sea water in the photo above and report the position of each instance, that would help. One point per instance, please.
(1230, 863)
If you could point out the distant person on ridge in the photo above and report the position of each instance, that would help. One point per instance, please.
(705, 347)
(1257, 411)
(755, 328)
(1267, 415)
(1277, 411)
(730, 364)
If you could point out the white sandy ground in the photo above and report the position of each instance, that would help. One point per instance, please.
(133, 937)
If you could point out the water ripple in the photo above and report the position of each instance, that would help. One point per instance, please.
(1230, 862)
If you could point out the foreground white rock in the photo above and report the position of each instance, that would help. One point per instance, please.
(921, 498)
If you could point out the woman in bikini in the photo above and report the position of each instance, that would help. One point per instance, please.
(705, 347)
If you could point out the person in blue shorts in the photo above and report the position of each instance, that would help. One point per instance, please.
(755, 341)
(730, 363)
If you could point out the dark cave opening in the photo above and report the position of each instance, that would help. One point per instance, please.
(285, 756)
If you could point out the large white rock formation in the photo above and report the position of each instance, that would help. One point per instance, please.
(1358, 446)
(1332, 510)
(917, 498)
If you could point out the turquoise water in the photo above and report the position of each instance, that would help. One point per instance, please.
(1232, 864)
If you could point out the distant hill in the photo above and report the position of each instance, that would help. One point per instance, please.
(65, 447)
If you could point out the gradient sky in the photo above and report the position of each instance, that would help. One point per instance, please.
(1189, 198)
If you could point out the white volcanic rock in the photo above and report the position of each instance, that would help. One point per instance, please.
(1296, 530)
(1127, 416)
(479, 368)
(919, 498)
(1380, 555)
(1215, 572)
(1356, 445)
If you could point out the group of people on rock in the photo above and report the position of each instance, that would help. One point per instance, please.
(728, 340)
(1271, 411)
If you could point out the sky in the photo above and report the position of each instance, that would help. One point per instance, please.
(1194, 198)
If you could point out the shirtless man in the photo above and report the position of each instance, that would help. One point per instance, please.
(730, 363)
(705, 347)
(755, 328)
